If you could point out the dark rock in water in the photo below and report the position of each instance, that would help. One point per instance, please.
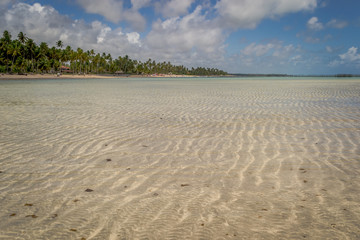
(89, 190)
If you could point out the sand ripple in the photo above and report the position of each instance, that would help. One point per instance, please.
(180, 159)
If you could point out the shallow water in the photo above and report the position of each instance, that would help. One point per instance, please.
(180, 158)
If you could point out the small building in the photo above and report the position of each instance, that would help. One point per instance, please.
(65, 69)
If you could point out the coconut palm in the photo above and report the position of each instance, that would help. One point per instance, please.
(59, 44)
(14, 50)
(22, 37)
(30, 48)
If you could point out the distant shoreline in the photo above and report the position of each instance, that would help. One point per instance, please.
(109, 76)
(83, 76)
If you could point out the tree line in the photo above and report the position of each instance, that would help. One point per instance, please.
(24, 55)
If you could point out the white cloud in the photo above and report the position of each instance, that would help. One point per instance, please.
(329, 49)
(188, 37)
(191, 40)
(134, 38)
(45, 24)
(275, 49)
(110, 9)
(314, 24)
(257, 49)
(351, 55)
(137, 4)
(113, 11)
(103, 32)
(249, 13)
(173, 8)
(270, 57)
(136, 20)
(339, 24)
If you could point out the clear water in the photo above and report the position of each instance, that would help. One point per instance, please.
(180, 158)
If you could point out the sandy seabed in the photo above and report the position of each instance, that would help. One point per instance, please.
(180, 159)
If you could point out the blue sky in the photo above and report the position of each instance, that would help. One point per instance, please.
(238, 36)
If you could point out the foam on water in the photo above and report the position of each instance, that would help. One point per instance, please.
(180, 159)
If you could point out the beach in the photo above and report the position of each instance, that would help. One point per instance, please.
(84, 76)
(184, 158)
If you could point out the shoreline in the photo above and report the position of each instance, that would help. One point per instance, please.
(84, 76)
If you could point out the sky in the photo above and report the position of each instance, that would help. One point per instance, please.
(238, 36)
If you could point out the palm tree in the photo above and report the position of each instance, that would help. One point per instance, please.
(5, 45)
(42, 57)
(14, 50)
(59, 44)
(20, 52)
(79, 53)
(22, 37)
(30, 51)
(59, 52)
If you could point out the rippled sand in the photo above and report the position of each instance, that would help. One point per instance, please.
(180, 159)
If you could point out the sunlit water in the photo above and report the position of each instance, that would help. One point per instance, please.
(198, 158)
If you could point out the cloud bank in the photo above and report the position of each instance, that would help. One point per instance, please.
(249, 13)
(187, 32)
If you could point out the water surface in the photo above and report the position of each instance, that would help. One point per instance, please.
(192, 158)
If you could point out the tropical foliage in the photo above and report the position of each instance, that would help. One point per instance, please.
(23, 55)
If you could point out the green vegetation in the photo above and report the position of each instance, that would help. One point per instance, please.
(23, 55)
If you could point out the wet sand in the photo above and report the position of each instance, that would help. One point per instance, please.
(180, 159)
